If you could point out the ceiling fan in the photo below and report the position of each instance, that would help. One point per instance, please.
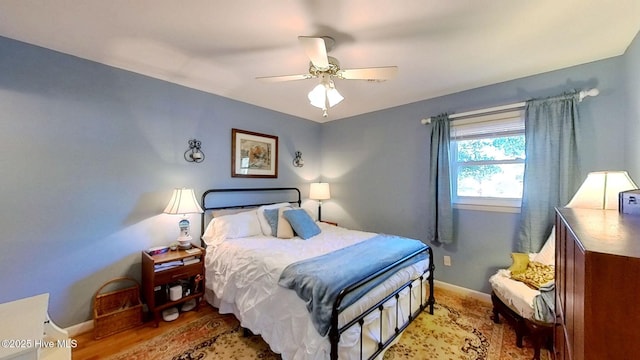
(326, 68)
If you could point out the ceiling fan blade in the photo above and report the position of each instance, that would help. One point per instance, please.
(284, 78)
(371, 74)
(316, 50)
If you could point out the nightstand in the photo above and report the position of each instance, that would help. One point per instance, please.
(160, 272)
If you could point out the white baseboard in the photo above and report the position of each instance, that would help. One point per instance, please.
(77, 329)
(463, 291)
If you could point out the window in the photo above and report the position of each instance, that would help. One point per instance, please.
(487, 161)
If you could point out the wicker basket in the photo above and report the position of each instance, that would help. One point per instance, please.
(117, 310)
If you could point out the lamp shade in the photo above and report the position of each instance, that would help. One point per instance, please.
(317, 96)
(333, 96)
(183, 201)
(600, 190)
(319, 191)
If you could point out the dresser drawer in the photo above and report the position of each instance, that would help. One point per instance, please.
(181, 272)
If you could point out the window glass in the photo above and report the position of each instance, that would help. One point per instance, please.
(487, 164)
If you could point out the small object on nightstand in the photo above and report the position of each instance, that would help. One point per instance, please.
(157, 250)
(170, 314)
(175, 293)
(189, 305)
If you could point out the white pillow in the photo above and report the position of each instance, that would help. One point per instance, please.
(285, 231)
(264, 224)
(232, 227)
(547, 254)
(210, 237)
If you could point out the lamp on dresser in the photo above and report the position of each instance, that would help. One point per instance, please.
(596, 249)
(183, 201)
(600, 190)
(319, 191)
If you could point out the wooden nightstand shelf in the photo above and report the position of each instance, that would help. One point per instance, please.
(155, 281)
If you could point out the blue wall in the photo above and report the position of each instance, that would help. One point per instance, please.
(632, 132)
(89, 157)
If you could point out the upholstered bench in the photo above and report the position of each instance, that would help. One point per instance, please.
(515, 300)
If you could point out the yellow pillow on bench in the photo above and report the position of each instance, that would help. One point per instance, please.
(520, 262)
(536, 275)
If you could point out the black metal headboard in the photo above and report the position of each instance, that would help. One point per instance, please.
(239, 200)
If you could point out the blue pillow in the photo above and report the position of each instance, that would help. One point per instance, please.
(302, 223)
(272, 218)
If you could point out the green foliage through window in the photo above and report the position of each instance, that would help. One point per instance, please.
(490, 166)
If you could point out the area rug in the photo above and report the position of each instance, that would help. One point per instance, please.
(460, 328)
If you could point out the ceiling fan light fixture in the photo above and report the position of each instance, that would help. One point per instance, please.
(333, 96)
(325, 95)
(317, 96)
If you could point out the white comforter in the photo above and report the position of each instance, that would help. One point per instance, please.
(243, 275)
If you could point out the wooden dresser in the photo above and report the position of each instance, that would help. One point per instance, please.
(597, 287)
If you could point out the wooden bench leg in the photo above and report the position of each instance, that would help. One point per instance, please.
(541, 335)
(496, 313)
(499, 308)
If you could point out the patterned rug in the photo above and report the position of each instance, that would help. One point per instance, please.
(460, 328)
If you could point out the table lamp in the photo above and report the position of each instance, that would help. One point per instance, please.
(319, 191)
(600, 190)
(183, 201)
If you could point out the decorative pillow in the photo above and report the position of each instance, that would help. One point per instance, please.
(536, 275)
(264, 224)
(231, 227)
(547, 254)
(272, 218)
(302, 223)
(284, 228)
(520, 262)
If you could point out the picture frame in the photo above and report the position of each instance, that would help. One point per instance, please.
(253, 155)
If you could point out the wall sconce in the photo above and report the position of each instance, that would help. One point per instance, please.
(194, 154)
(297, 160)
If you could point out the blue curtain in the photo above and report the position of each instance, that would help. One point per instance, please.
(440, 219)
(552, 171)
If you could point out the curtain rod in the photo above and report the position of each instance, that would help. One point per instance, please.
(583, 94)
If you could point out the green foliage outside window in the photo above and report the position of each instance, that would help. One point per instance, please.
(480, 159)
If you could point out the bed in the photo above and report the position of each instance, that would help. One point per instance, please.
(247, 263)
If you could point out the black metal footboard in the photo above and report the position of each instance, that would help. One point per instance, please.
(336, 331)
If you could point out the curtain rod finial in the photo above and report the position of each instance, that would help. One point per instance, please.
(425, 121)
(590, 92)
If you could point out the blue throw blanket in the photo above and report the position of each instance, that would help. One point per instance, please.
(319, 280)
(544, 304)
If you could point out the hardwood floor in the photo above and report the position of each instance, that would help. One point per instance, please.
(91, 349)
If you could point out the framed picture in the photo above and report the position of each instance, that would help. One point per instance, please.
(253, 154)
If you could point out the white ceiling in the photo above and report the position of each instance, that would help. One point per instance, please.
(440, 46)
